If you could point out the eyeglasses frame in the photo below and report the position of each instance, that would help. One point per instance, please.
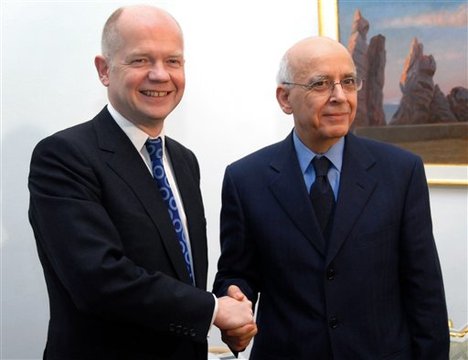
(309, 87)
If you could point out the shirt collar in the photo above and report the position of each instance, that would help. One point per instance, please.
(137, 136)
(305, 155)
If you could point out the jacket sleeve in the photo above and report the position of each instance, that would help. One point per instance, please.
(422, 284)
(237, 264)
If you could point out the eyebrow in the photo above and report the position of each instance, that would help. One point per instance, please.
(136, 54)
(146, 54)
(327, 77)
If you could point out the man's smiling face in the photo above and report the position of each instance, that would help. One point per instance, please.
(145, 74)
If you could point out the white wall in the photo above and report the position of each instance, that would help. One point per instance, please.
(229, 109)
(49, 83)
(449, 206)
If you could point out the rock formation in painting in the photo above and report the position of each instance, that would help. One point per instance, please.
(417, 86)
(375, 80)
(357, 46)
(422, 101)
(370, 66)
(458, 101)
(439, 109)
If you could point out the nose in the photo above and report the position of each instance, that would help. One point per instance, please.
(158, 72)
(337, 92)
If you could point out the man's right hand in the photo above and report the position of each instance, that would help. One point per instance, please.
(233, 312)
(237, 337)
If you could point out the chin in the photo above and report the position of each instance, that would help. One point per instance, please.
(338, 132)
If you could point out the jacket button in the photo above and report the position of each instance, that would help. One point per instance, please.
(171, 327)
(331, 274)
(192, 333)
(333, 322)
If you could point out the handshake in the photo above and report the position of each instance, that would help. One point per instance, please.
(235, 319)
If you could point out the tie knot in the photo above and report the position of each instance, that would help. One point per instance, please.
(154, 147)
(321, 165)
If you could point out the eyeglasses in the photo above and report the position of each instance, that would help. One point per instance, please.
(349, 85)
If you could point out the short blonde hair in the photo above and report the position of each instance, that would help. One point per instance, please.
(110, 34)
(111, 40)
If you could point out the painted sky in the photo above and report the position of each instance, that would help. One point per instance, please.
(441, 26)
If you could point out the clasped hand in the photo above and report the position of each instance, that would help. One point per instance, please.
(235, 319)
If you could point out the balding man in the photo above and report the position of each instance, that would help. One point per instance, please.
(333, 231)
(118, 216)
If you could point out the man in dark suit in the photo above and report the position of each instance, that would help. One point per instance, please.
(126, 271)
(347, 269)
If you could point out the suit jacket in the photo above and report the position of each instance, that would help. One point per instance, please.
(374, 291)
(117, 283)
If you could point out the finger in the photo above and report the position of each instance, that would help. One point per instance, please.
(237, 343)
(240, 331)
(245, 331)
(238, 346)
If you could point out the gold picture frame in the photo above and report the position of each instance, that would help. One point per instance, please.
(446, 175)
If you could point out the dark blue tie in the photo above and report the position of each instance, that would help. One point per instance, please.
(321, 193)
(155, 151)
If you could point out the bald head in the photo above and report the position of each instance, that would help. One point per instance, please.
(127, 16)
(303, 52)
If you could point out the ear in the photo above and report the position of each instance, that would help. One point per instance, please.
(103, 68)
(282, 95)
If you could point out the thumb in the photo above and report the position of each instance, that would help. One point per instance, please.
(235, 293)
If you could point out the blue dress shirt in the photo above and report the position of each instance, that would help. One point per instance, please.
(334, 154)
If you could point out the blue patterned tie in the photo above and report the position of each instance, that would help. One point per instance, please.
(155, 151)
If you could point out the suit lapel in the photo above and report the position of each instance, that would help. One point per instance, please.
(356, 187)
(124, 160)
(289, 189)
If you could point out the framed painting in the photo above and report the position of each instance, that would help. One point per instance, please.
(413, 57)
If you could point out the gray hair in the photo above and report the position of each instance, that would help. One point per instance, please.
(284, 72)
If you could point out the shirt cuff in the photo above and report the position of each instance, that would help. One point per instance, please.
(215, 311)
